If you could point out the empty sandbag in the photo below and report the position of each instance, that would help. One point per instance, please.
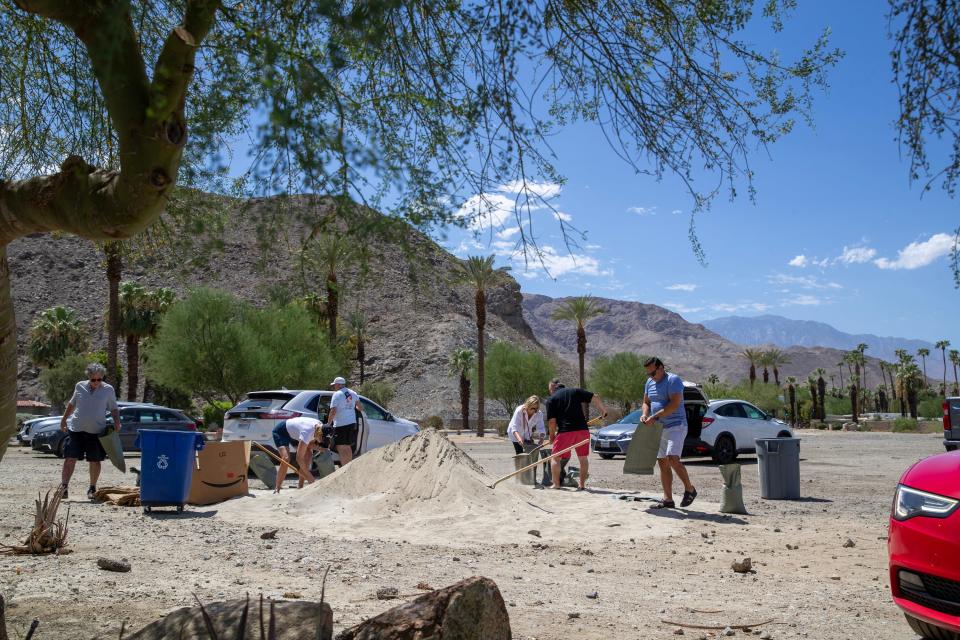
(731, 500)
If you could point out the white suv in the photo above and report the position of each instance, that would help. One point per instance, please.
(257, 416)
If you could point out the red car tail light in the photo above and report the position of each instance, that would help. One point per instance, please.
(946, 416)
(279, 415)
(707, 422)
(192, 426)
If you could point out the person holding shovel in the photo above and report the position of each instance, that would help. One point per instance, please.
(307, 433)
(663, 403)
(568, 426)
(527, 419)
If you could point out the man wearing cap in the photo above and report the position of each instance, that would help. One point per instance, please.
(344, 406)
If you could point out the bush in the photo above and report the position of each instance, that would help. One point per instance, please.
(176, 398)
(619, 378)
(931, 408)
(59, 380)
(513, 375)
(433, 422)
(904, 425)
(213, 414)
(381, 392)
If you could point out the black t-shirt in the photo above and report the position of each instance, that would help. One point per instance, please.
(565, 407)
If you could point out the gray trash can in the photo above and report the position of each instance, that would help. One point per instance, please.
(779, 468)
(528, 476)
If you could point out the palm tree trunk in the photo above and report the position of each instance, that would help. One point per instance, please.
(361, 356)
(955, 383)
(776, 376)
(8, 354)
(792, 391)
(133, 366)
(943, 352)
(822, 391)
(332, 307)
(924, 360)
(581, 356)
(841, 376)
(481, 303)
(753, 374)
(464, 402)
(114, 273)
(854, 400)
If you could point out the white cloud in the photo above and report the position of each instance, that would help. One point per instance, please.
(682, 287)
(565, 217)
(857, 255)
(545, 190)
(741, 306)
(487, 211)
(676, 212)
(919, 254)
(558, 264)
(799, 261)
(643, 211)
(803, 300)
(507, 233)
(804, 282)
(823, 264)
(681, 308)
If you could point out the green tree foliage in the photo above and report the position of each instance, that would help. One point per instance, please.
(514, 374)
(59, 380)
(380, 391)
(620, 378)
(461, 364)
(56, 333)
(214, 345)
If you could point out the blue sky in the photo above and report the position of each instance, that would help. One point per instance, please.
(837, 232)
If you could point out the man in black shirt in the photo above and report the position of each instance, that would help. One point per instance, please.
(567, 426)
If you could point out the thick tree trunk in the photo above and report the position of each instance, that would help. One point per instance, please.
(481, 304)
(854, 401)
(822, 391)
(114, 273)
(581, 356)
(766, 376)
(776, 377)
(753, 374)
(793, 405)
(133, 367)
(464, 402)
(8, 356)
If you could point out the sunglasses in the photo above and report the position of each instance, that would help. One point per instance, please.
(96, 379)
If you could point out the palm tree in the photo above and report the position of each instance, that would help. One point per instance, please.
(942, 345)
(55, 334)
(908, 377)
(923, 352)
(461, 363)
(812, 384)
(316, 306)
(579, 310)
(840, 365)
(776, 357)
(753, 357)
(792, 395)
(359, 337)
(155, 305)
(479, 272)
(955, 360)
(764, 362)
(821, 391)
(862, 361)
(329, 255)
(134, 323)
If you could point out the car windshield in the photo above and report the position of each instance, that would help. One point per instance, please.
(258, 404)
(631, 418)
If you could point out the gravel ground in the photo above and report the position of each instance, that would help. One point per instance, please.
(820, 589)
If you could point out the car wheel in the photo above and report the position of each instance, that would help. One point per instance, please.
(929, 631)
(950, 447)
(783, 434)
(60, 447)
(725, 449)
(606, 456)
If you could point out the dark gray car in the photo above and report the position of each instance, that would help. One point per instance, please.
(951, 424)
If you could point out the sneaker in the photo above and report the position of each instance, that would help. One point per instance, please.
(91, 492)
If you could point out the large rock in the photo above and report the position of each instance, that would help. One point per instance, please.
(292, 621)
(471, 609)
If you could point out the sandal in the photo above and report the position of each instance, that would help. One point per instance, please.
(688, 498)
(664, 504)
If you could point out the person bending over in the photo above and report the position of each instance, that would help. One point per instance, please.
(307, 434)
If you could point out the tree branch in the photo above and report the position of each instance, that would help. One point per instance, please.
(67, 12)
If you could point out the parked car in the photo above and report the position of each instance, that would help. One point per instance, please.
(255, 418)
(25, 433)
(133, 417)
(951, 424)
(924, 546)
(614, 439)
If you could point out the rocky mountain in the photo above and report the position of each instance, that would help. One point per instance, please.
(417, 313)
(785, 332)
(691, 350)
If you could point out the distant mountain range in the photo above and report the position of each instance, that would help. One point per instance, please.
(785, 333)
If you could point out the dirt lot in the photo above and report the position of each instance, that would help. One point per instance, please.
(653, 566)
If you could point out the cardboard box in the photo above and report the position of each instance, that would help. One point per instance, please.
(222, 472)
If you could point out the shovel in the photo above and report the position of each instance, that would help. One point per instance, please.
(550, 457)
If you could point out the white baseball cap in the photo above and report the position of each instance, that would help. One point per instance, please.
(338, 380)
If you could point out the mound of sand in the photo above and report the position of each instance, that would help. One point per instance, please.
(423, 487)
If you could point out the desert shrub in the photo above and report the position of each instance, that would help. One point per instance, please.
(213, 414)
(904, 425)
(930, 408)
(381, 391)
(619, 378)
(836, 427)
(59, 380)
(176, 398)
(433, 422)
(513, 375)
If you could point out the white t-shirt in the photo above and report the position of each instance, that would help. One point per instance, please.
(345, 402)
(302, 429)
(525, 426)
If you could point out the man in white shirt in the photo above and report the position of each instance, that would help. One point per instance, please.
(306, 433)
(344, 406)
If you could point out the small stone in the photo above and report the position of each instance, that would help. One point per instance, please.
(269, 535)
(573, 615)
(727, 632)
(742, 566)
(849, 544)
(534, 532)
(765, 635)
(109, 564)
(593, 595)
(834, 577)
(678, 631)
(387, 593)
(292, 595)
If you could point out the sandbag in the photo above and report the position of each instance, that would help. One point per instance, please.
(731, 499)
(643, 449)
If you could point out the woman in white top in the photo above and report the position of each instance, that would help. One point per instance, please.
(527, 419)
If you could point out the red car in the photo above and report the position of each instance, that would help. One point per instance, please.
(924, 546)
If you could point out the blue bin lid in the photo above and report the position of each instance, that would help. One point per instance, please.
(198, 443)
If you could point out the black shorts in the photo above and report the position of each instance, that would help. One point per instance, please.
(281, 437)
(81, 445)
(345, 435)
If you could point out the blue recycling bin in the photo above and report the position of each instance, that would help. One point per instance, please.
(167, 459)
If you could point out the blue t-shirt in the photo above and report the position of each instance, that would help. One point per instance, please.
(659, 395)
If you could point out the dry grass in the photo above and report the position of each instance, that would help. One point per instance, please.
(48, 534)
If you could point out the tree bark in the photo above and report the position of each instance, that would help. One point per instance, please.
(854, 401)
(581, 356)
(133, 366)
(114, 273)
(822, 391)
(8, 356)
(481, 303)
(793, 405)
(464, 402)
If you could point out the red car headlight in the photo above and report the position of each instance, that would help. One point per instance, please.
(910, 503)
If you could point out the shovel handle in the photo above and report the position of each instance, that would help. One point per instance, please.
(538, 462)
(278, 459)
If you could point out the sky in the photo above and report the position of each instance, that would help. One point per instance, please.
(836, 233)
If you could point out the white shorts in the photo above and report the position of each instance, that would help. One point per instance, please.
(671, 442)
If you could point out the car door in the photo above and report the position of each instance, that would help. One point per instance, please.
(756, 424)
(734, 419)
(129, 424)
(381, 428)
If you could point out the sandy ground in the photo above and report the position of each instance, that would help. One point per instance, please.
(644, 567)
